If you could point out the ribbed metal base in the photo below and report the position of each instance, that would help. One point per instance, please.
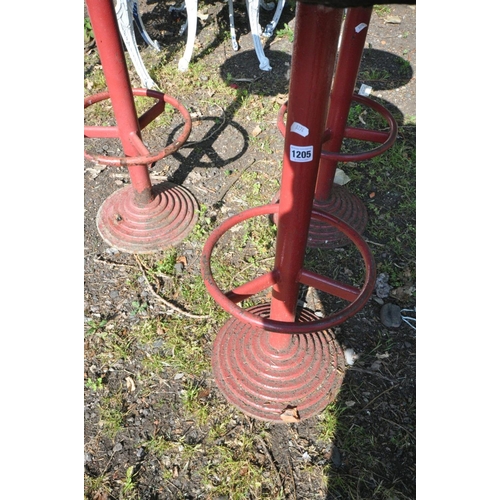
(346, 207)
(341, 204)
(262, 381)
(164, 222)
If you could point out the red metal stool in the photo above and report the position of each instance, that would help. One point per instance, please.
(140, 218)
(273, 357)
(330, 197)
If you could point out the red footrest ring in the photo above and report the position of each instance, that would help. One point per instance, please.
(387, 138)
(359, 297)
(144, 119)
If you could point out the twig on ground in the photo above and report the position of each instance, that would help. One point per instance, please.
(162, 300)
(192, 143)
(370, 372)
(271, 461)
(101, 260)
(291, 475)
(401, 427)
(374, 243)
(223, 193)
(378, 395)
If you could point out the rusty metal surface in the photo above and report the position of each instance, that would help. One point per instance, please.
(262, 381)
(164, 222)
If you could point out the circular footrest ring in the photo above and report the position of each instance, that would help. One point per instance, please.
(285, 326)
(362, 134)
(117, 161)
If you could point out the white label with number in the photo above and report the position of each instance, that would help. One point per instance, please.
(301, 154)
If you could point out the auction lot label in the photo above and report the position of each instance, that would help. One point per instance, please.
(301, 154)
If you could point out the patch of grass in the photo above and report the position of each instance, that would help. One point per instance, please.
(286, 32)
(88, 32)
(381, 10)
(166, 264)
(203, 226)
(230, 471)
(374, 75)
(96, 326)
(328, 422)
(94, 384)
(195, 402)
(159, 446)
(96, 487)
(114, 345)
(128, 485)
(112, 414)
(185, 346)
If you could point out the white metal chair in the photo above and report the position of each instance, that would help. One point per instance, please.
(127, 12)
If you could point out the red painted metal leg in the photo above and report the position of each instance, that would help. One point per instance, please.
(346, 72)
(107, 37)
(330, 197)
(140, 218)
(317, 30)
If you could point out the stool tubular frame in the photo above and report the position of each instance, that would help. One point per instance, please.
(352, 43)
(107, 36)
(319, 27)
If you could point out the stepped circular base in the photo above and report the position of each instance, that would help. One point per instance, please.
(346, 207)
(162, 223)
(341, 204)
(263, 382)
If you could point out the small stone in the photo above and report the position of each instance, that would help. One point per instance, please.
(382, 288)
(336, 458)
(350, 356)
(118, 447)
(393, 20)
(179, 267)
(390, 315)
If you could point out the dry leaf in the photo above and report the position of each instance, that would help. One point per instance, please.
(256, 131)
(203, 394)
(182, 260)
(130, 384)
(290, 414)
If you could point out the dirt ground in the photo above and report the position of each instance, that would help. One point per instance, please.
(384, 387)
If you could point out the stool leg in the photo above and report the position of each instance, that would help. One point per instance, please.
(316, 37)
(107, 36)
(192, 20)
(346, 72)
(125, 18)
